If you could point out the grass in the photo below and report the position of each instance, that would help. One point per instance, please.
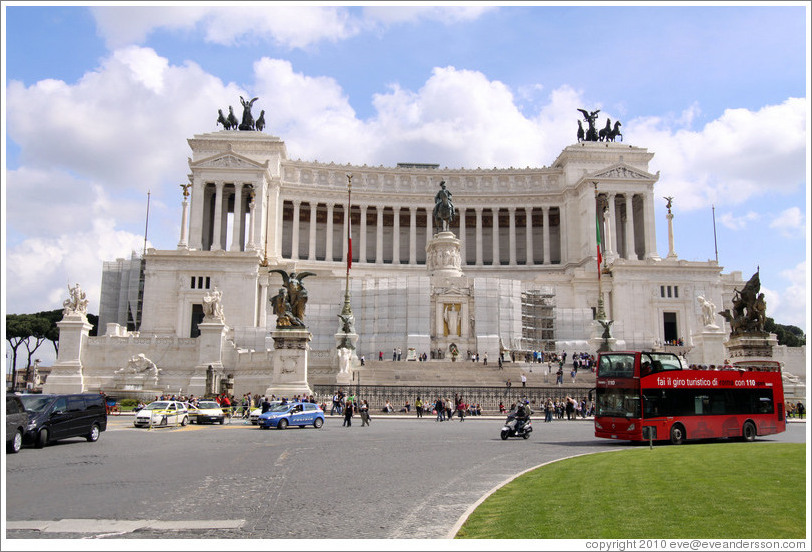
(705, 491)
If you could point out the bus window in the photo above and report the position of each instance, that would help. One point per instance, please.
(616, 366)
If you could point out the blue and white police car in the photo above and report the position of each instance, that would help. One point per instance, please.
(300, 414)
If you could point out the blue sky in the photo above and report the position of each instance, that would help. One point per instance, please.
(99, 102)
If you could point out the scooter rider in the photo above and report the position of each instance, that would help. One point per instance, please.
(523, 413)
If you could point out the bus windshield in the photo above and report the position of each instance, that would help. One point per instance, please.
(616, 365)
(618, 402)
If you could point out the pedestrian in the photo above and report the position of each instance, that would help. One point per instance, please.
(394, 353)
(363, 409)
(485, 359)
(348, 414)
(524, 380)
(440, 409)
(380, 355)
(508, 384)
(363, 360)
(399, 353)
(499, 362)
(418, 406)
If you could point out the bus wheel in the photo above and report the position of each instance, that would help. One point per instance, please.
(677, 434)
(749, 431)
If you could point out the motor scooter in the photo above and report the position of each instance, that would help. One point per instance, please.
(509, 429)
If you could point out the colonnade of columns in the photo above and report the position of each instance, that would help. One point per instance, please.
(218, 200)
(511, 236)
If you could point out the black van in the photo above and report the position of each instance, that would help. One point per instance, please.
(54, 417)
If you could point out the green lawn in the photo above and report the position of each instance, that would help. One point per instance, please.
(717, 490)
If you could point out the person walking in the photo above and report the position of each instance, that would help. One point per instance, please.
(524, 380)
(363, 410)
(485, 359)
(418, 406)
(348, 414)
(440, 408)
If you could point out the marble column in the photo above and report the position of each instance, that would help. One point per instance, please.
(429, 223)
(628, 229)
(379, 235)
(198, 209)
(650, 233)
(671, 253)
(396, 236)
(611, 232)
(294, 245)
(264, 281)
(252, 204)
(311, 245)
(495, 225)
(479, 261)
(184, 223)
(237, 223)
(463, 254)
(545, 233)
(216, 241)
(528, 225)
(412, 235)
(362, 246)
(512, 236)
(328, 249)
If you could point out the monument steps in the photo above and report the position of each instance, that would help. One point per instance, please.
(464, 373)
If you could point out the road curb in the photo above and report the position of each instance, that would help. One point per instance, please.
(464, 517)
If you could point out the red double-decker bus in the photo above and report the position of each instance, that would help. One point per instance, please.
(647, 395)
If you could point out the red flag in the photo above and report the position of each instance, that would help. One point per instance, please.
(598, 229)
(349, 252)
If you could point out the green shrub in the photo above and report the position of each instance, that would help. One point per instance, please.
(127, 403)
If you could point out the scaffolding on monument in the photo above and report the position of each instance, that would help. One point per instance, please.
(538, 320)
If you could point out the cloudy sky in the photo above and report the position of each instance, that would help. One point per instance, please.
(99, 102)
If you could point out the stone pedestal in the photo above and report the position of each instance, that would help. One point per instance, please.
(290, 353)
(443, 255)
(751, 346)
(66, 374)
(208, 373)
(346, 341)
(708, 346)
(597, 342)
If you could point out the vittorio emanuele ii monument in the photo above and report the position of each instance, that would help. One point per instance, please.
(508, 266)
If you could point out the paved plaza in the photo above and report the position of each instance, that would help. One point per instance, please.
(399, 478)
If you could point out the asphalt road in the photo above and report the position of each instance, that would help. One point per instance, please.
(398, 478)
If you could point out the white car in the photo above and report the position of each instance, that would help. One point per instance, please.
(207, 411)
(254, 416)
(162, 413)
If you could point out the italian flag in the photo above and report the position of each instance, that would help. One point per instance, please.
(598, 234)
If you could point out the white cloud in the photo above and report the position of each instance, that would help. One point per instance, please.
(788, 306)
(738, 223)
(299, 26)
(741, 155)
(39, 269)
(790, 223)
(410, 14)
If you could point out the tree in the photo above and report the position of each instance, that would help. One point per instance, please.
(789, 335)
(52, 334)
(16, 332)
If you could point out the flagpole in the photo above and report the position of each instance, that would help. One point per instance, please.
(600, 315)
(346, 309)
(715, 250)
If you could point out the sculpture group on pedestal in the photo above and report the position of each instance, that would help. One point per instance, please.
(607, 133)
(708, 311)
(749, 309)
(213, 306)
(289, 304)
(76, 303)
(248, 123)
(443, 208)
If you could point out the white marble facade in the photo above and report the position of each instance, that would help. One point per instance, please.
(252, 209)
